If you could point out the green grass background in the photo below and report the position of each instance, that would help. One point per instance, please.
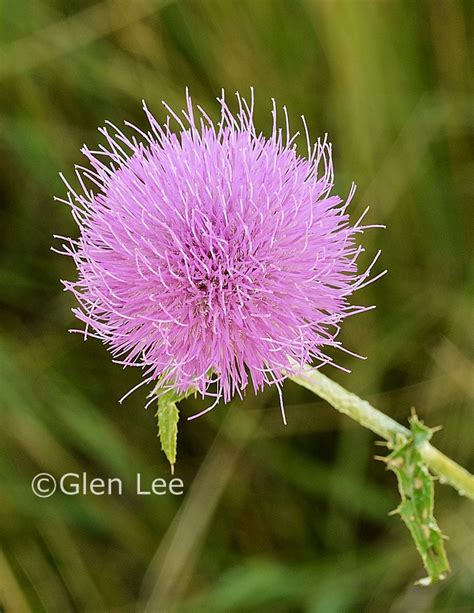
(278, 519)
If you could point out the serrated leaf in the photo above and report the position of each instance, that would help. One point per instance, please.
(416, 508)
(168, 417)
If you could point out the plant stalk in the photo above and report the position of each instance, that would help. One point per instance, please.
(368, 416)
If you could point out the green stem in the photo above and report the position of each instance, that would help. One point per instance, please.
(386, 427)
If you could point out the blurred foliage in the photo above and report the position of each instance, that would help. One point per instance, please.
(275, 518)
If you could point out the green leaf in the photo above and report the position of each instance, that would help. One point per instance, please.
(168, 417)
(416, 509)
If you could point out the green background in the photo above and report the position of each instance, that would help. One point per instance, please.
(274, 518)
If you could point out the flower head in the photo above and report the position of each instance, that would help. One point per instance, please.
(213, 256)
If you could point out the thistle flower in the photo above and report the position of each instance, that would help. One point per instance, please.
(214, 256)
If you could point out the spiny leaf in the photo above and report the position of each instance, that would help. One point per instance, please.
(416, 508)
(168, 417)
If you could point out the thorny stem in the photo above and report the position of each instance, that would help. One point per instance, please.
(368, 416)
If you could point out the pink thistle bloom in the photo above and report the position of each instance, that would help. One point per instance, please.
(215, 256)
